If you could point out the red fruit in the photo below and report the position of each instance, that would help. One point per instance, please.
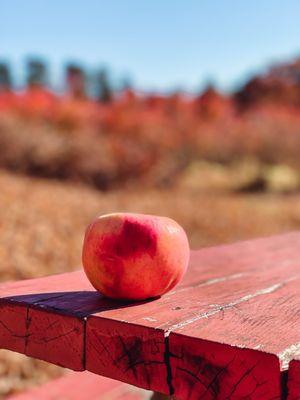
(134, 256)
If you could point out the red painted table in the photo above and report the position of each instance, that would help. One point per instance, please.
(228, 331)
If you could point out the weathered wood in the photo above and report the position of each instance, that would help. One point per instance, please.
(83, 386)
(265, 320)
(225, 332)
(127, 351)
(293, 378)
(53, 332)
(221, 281)
(45, 318)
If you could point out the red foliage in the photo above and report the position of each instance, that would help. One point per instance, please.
(137, 135)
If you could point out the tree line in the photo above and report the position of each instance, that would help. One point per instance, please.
(78, 82)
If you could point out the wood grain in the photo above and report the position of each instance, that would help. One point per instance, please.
(226, 332)
(128, 352)
(293, 381)
(35, 321)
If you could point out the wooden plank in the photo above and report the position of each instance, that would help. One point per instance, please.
(82, 386)
(49, 322)
(227, 333)
(13, 327)
(293, 382)
(264, 319)
(128, 352)
(51, 332)
(45, 318)
(218, 334)
(218, 279)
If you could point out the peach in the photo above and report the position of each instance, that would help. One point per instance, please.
(134, 256)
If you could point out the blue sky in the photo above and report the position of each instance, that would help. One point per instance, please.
(160, 44)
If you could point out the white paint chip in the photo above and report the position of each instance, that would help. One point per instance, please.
(286, 355)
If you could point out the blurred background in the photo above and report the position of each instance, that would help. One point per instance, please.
(185, 109)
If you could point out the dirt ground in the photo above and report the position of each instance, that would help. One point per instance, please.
(42, 224)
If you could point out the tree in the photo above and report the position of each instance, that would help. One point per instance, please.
(104, 90)
(5, 77)
(76, 80)
(36, 72)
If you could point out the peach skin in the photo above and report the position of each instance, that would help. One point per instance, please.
(134, 256)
